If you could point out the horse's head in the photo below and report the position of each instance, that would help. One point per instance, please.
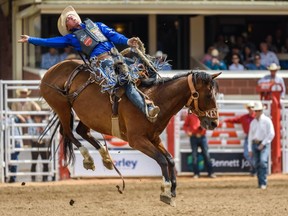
(203, 98)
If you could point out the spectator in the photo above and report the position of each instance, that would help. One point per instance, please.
(161, 62)
(279, 40)
(260, 136)
(270, 43)
(215, 63)
(208, 55)
(17, 144)
(284, 48)
(36, 132)
(50, 58)
(273, 78)
(267, 57)
(236, 66)
(248, 56)
(222, 47)
(245, 121)
(234, 50)
(24, 105)
(256, 65)
(67, 52)
(197, 136)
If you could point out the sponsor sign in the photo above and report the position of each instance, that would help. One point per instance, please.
(129, 163)
(231, 162)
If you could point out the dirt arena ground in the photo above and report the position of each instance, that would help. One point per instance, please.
(232, 195)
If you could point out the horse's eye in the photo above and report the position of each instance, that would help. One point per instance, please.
(209, 96)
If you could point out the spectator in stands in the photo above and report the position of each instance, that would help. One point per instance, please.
(236, 66)
(222, 47)
(284, 48)
(67, 52)
(279, 40)
(245, 121)
(36, 132)
(256, 65)
(161, 62)
(208, 55)
(267, 57)
(234, 50)
(260, 136)
(50, 58)
(197, 136)
(273, 78)
(215, 63)
(270, 43)
(248, 57)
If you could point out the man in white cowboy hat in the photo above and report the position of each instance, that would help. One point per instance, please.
(215, 63)
(260, 136)
(273, 78)
(96, 41)
(245, 121)
(24, 105)
(161, 61)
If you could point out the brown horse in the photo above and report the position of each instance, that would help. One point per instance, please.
(196, 90)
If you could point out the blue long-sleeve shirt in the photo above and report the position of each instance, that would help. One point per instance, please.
(71, 40)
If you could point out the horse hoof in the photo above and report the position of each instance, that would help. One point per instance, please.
(108, 164)
(168, 200)
(88, 166)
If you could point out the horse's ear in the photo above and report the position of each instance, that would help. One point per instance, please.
(215, 75)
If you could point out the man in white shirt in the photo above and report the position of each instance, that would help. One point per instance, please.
(260, 136)
(267, 57)
(273, 78)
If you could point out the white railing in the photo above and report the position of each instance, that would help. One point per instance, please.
(8, 137)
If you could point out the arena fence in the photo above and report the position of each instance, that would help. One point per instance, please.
(225, 143)
(15, 139)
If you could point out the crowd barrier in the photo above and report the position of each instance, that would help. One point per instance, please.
(225, 143)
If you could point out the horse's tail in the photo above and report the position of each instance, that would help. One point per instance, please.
(54, 120)
(68, 152)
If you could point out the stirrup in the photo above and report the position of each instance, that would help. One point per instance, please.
(152, 118)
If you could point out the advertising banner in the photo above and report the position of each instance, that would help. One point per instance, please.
(129, 163)
(229, 162)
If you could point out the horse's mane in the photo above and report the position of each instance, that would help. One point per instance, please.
(205, 77)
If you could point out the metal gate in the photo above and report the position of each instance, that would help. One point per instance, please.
(15, 141)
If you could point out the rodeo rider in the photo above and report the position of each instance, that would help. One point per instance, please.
(95, 40)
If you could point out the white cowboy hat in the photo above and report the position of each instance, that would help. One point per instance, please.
(258, 106)
(273, 66)
(160, 54)
(23, 90)
(249, 105)
(61, 24)
(215, 53)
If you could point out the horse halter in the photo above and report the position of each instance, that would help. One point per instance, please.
(212, 113)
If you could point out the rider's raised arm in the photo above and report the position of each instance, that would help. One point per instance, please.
(56, 42)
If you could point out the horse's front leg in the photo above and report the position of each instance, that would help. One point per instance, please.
(146, 147)
(171, 167)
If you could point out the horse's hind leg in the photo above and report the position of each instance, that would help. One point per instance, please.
(63, 111)
(84, 132)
